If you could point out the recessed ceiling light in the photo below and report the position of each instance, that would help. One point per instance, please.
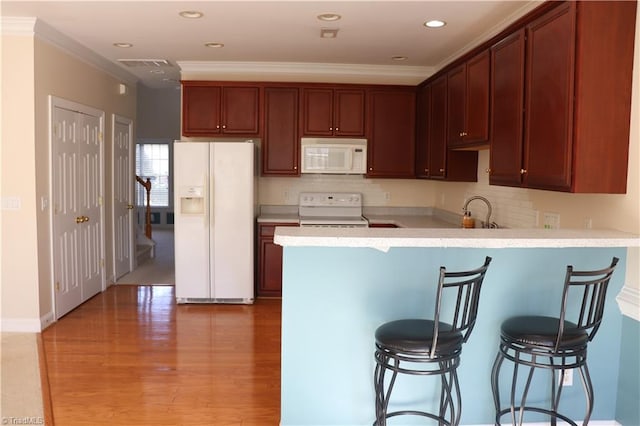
(191, 14)
(329, 17)
(435, 23)
(214, 44)
(123, 45)
(399, 58)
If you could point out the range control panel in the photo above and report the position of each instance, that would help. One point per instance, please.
(333, 199)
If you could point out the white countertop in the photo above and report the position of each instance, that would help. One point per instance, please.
(386, 238)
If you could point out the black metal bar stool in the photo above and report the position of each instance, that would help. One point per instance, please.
(430, 347)
(553, 344)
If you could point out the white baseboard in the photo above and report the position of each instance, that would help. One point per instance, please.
(46, 320)
(20, 325)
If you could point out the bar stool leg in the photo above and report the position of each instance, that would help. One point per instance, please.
(495, 388)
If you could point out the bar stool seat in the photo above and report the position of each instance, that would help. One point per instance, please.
(429, 346)
(554, 344)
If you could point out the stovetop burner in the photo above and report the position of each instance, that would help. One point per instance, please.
(337, 209)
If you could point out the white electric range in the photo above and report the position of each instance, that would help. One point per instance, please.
(331, 209)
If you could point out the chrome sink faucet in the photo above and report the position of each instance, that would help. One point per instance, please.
(487, 223)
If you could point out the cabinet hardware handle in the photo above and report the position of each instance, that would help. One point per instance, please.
(461, 134)
(370, 168)
(488, 171)
(523, 171)
(295, 167)
(224, 127)
(217, 126)
(426, 170)
(331, 128)
(441, 170)
(337, 129)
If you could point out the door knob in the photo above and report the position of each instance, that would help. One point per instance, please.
(85, 219)
(129, 207)
(523, 171)
(79, 219)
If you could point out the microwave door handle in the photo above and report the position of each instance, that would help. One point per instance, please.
(350, 159)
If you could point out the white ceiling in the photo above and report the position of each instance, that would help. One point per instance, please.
(282, 33)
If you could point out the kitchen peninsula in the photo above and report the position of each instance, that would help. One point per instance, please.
(339, 285)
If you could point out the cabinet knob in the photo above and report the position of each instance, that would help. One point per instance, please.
(217, 126)
(487, 171)
(426, 170)
(331, 128)
(370, 168)
(224, 127)
(337, 129)
(295, 167)
(461, 134)
(523, 171)
(441, 170)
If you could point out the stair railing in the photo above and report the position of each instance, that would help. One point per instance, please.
(147, 216)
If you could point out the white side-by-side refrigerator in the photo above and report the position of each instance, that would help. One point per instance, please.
(214, 193)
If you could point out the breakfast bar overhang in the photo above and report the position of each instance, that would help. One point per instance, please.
(339, 285)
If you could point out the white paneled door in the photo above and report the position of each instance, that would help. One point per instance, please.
(123, 183)
(77, 212)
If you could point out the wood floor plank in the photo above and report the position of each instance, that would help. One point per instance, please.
(131, 356)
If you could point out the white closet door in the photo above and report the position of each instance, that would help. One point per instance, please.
(89, 184)
(123, 183)
(77, 212)
(67, 219)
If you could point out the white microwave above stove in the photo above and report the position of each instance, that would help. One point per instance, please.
(333, 155)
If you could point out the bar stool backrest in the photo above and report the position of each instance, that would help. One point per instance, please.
(466, 286)
(593, 286)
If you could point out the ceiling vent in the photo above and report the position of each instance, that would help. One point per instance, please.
(151, 63)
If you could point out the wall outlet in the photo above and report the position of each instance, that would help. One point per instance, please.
(568, 377)
(551, 221)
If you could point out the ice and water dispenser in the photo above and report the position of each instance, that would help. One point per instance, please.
(192, 200)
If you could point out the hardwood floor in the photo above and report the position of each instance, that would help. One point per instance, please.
(132, 356)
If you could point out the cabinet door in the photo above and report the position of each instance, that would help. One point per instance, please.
(240, 110)
(270, 261)
(280, 144)
(391, 148)
(507, 102)
(349, 105)
(201, 110)
(423, 118)
(456, 82)
(438, 129)
(549, 100)
(317, 112)
(477, 100)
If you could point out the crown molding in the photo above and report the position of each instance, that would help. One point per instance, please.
(304, 72)
(33, 27)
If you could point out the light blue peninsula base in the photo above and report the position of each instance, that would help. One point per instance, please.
(337, 291)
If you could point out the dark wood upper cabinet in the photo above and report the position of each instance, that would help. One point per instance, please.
(333, 112)
(577, 129)
(280, 153)
(423, 124)
(468, 102)
(438, 129)
(392, 130)
(507, 104)
(548, 135)
(443, 163)
(210, 109)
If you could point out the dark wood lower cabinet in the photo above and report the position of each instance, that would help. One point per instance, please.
(269, 261)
